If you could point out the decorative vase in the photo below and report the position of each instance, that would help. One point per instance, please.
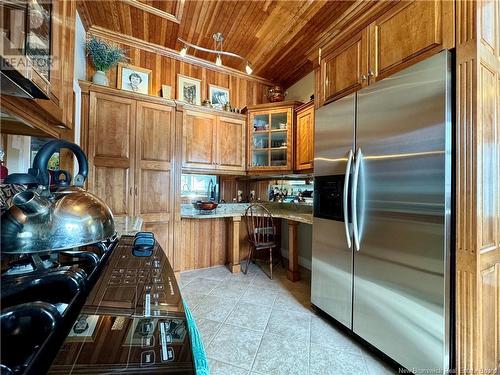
(276, 94)
(100, 78)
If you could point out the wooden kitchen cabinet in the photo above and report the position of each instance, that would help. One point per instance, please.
(230, 142)
(304, 138)
(270, 136)
(405, 33)
(111, 151)
(198, 140)
(213, 142)
(345, 69)
(130, 144)
(408, 33)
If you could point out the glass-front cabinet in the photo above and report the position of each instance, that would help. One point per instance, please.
(271, 136)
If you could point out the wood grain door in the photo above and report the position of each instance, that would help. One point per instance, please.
(198, 146)
(345, 70)
(111, 151)
(230, 144)
(304, 139)
(408, 33)
(155, 140)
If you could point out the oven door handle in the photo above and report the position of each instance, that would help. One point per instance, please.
(354, 198)
(345, 203)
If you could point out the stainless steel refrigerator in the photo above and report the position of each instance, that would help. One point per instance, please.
(382, 206)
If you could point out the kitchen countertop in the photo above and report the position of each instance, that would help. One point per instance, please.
(127, 225)
(301, 213)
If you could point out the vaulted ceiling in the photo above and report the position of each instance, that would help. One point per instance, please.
(275, 36)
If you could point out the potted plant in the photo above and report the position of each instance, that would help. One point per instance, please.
(104, 56)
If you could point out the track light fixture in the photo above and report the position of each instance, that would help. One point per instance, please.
(218, 51)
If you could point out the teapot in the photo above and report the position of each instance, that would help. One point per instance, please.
(47, 217)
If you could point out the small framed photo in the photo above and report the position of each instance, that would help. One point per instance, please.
(188, 89)
(166, 91)
(134, 78)
(219, 96)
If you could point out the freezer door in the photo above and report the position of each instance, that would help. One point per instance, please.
(331, 288)
(402, 204)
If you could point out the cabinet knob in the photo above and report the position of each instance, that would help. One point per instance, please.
(363, 77)
(370, 74)
(130, 190)
(135, 190)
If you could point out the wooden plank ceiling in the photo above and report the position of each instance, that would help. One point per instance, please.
(273, 35)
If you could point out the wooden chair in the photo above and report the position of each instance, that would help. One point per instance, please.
(261, 233)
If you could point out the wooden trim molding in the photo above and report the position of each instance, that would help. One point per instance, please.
(176, 17)
(113, 36)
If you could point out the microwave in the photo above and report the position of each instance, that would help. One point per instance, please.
(25, 55)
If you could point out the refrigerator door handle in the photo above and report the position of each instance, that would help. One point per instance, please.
(345, 198)
(354, 198)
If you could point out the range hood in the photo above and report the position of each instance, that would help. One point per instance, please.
(25, 51)
(26, 83)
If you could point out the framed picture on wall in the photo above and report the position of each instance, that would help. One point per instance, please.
(188, 89)
(219, 96)
(134, 78)
(166, 91)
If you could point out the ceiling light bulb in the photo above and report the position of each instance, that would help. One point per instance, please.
(183, 51)
(248, 69)
(218, 61)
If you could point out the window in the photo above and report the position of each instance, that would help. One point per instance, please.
(196, 187)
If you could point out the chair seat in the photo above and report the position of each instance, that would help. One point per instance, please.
(265, 245)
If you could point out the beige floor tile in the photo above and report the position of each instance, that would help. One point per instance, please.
(292, 300)
(324, 361)
(207, 328)
(290, 324)
(221, 368)
(192, 299)
(250, 316)
(259, 296)
(282, 356)
(215, 308)
(230, 289)
(326, 334)
(200, 286)
(214, 273)
(235, 345)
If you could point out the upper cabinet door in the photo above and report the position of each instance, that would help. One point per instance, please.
(230, 139)
(409, 32)
(304, 139)
(345, 69)
(198, 146)
(111, 151)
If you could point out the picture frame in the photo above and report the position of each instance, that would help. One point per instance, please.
(134, 78)
(188, 89)
(166, 91)
(219, 96)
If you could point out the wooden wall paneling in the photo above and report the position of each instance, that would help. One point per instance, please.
(243, 91)
(478, 187)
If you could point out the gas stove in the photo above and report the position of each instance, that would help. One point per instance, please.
(96, 310)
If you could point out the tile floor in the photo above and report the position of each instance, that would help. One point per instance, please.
(253, 325)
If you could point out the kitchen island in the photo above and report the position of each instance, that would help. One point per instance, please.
(226, 226)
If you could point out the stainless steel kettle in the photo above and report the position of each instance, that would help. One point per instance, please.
(43, 220)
